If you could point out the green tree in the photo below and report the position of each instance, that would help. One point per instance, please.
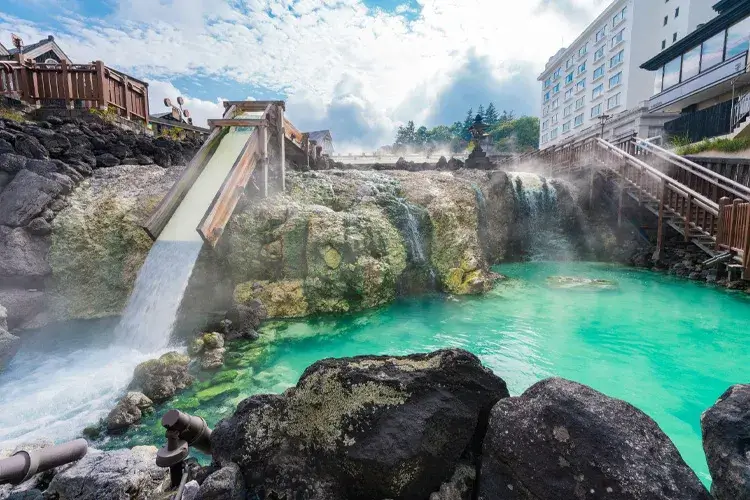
(404, 137)
(490, 116)
(441, 134)
(480, 112)
(421, 137)
(468, 122)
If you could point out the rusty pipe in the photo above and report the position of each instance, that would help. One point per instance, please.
(23, 464)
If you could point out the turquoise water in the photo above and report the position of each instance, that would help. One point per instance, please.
(668, 346)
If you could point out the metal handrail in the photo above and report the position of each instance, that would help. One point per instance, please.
(740, 110)
(739, 190)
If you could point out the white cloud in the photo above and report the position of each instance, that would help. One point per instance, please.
(200, 110)
(314, 50)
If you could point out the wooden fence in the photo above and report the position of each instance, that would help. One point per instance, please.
(734, 232)
(75, 86)
(737, 169)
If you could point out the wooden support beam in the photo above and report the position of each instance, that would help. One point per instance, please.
(101, 83)
(237, 122)
(253, 105)
(66, 84)
(733, 222)
(688, 216)
(720, 229)
(660, 230)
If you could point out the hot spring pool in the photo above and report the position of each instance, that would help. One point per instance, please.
(668, 346)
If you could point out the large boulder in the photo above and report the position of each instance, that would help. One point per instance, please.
(726, 441)
(22, 256)
(226, 483)
(128, 411)
(563, 440)
(12, 163)
(160, 379)
(22, 305)
(25, 197)
(114, 475)
(30, 147)
(9, 345)
(363, 427)
(56, 144)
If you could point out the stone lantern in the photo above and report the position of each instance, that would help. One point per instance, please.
(477, 157)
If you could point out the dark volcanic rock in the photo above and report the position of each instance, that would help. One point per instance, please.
(30, 147)
(160, 379)
(42, 167)
(363, 427)
(144, 160)
(25, 197)
(22, 255)
(563, 440)
(6, 147)
(56, 144)
(120, 150)
(245, 319)
(106, 160)
(226, 483)
(128, 411)
(12, 163)
(39, 227)
(726, 441)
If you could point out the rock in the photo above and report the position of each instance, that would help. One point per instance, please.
(39, 227)
(5, 179)
(12, 163)
(210, 347)
(114, 475)
(460, 486)
(30, 147)
(25, 197)
(160, 379)
(56, 144)
(42, 167)
(121, 151)
(726, 434)
(563, 440)
(3, 318)
(282, 299)
(363, 427)
(9, 345)
(144, 160)
(21, 305)
(128, 411)
(106, 160)
(442, 163)
(47, 215)
(246, 318)
(31, 488)
(190, 492)
(213, 359)
(22, 255)
(65, 182)
(224, 484)
(6, 147)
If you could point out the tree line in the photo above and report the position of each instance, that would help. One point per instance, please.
(506, 133)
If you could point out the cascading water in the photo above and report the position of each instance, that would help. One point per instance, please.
(537, 202)
(415, 243)
(55, 392)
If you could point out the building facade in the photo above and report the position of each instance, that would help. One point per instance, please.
(599, 76)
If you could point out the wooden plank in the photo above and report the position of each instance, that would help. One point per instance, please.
(238, 122)
(252, 105)
(155, 224)
(66, 87)
(101, 85)
(213, 223)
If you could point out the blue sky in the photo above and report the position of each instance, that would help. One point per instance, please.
(358, 67)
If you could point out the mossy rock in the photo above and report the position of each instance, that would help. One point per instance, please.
(282, 299)
(206, 395)
(581, 284)
(225, 377)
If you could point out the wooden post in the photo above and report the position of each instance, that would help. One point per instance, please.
(746, 250)
(101, 82)
(733, 222)
(688, 215)
(67, 95)
(282, 145)
(125, 96)
(24, 83)
(724, 201)
(264, 158)
(660, 229)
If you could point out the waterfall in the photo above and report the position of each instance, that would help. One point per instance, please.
(420, 275)
(414, 239)
(542, 234)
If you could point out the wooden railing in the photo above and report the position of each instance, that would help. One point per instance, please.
(75, 86)
(734, 233)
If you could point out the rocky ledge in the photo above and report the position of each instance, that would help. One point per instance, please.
(438, 426)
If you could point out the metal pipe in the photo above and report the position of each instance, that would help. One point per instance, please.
(24, 464)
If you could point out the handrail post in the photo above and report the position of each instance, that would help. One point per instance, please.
(126, 96)
(66, 84)
(732, 221)
(660, 230)
(688, 214)
(102, 84)
(720, 229)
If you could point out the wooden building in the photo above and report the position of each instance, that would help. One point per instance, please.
(322, 138)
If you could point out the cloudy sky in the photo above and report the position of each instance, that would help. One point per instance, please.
(358, 67)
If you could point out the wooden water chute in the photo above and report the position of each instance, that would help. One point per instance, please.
(255, 151)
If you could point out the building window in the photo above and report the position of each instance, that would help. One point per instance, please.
(568, 94)
(580, 103)
(556, 74)
(666, 19)
(582, 67)
(546, 111)
(547, 82)
(555, 103)
(613, 101)
(596, 110)
(600, 35)
(566, 127)
(598, 90)
(615, 80)
(569, 63)
(578, 120)
(568, 111)
(663, 44)
(737, 38)
(554, 119)
(546, 96)
(691, 61)
(580, 85)
(545, 124)
(583, 50)
(658, 80)
(672, 73)
(553, 134)
(619, 17)
(556, 89)
(674, 37)
(617, 59)
(677, 13)
(712, 53)
(569, 78)
(599, 72)
(617, 38)
(599, 53)
(545, 138)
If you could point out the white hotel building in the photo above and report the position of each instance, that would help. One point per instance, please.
(599, 74)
